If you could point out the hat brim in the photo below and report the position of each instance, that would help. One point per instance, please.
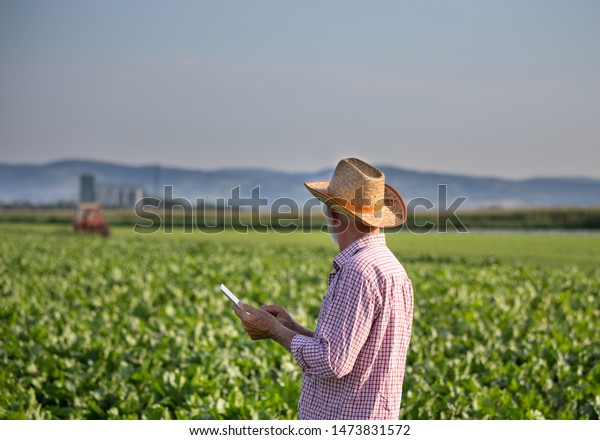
(390, 215)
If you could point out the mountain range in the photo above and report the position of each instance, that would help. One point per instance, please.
(59, 181)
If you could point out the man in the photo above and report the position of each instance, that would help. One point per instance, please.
(353, 362)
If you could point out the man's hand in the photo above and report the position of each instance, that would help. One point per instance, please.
(285, 318)
(257, 323)
(281, 315)
(260, 324)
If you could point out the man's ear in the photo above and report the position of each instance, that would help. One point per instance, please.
(338, 217)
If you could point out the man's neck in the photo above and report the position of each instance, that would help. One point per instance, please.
(351, 235)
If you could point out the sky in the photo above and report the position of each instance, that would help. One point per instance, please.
(485, 88)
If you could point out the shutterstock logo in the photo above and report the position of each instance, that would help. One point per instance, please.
(445, 214)
(281, 215)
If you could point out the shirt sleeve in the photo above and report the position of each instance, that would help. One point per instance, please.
(345, 327)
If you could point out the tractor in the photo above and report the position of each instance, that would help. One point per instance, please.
(90, 218)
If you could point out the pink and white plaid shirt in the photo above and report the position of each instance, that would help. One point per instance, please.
(353, 366)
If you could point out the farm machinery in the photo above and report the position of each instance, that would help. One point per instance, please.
(89, 218)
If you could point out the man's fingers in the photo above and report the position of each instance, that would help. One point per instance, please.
(248, 309)
(272, 309)
(239, 312)
(245, 307)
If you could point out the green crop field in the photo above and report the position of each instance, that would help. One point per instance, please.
(505, 325)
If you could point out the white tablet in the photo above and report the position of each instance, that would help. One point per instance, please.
(230, 295)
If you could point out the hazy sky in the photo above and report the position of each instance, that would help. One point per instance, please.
(502, 88)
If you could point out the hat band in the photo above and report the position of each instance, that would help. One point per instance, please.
(351, 207)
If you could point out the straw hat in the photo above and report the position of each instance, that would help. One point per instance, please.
(359, 189)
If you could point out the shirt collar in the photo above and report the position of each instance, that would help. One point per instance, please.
(367, 240)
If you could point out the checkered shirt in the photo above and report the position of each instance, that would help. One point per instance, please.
(353, 366)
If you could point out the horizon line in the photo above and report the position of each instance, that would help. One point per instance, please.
(180, 167)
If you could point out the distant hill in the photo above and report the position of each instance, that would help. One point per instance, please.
(59, 181)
